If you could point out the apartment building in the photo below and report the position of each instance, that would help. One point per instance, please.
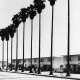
(57, 61)
(74, 63)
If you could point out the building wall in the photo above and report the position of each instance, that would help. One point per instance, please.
(57, 61)
(73, 60)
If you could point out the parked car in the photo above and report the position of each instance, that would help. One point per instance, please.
(46, 68)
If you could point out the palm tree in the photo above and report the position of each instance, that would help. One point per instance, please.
(2, 38)
(32, 14)
(52, 2)
(7, 39)
(16, 50)
(11, 32)
(68, 66)
(24, 15)
(4, 34)
(39, 5)
(16, 21)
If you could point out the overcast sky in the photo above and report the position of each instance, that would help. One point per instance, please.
(8, 8)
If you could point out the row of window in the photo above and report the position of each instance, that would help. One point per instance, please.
(49, 59)
(35, 60)
(70, 58)
(41, 60)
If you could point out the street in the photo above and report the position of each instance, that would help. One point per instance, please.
(16, 76)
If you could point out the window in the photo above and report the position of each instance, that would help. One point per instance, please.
(41, 60)
(24, 60)
(35, 60)
(29, 60)
(70, 58)
(49, 59)
(78, 58)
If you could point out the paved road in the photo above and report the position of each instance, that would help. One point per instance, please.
(15, 76)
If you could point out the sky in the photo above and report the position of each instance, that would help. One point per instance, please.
(8, 8)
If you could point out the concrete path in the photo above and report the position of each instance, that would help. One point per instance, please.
(16, 76)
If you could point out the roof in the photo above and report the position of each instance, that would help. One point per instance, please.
(73, 55)
(37, 58)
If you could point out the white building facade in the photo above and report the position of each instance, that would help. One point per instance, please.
(57, 61)
(74, 63)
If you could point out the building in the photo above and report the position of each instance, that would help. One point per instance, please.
(44, 61)
(57, 61)
(74, 63)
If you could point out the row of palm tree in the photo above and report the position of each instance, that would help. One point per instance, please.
(39, 7)
(31, 12)
(4, 33)
(16, 21)
(52, 4)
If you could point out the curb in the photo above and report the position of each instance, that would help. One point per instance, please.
(43, 75)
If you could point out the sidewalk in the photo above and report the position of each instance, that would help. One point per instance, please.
(46, 74)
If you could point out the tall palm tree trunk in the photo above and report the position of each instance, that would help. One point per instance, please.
(16, 50)
(68, 65)
(31, 43)
(7, 55)
(39, 71)
(3, 54)
(11, 52)
(51, 69)
(23, 44)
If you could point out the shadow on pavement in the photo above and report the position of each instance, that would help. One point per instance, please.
(35, 74)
